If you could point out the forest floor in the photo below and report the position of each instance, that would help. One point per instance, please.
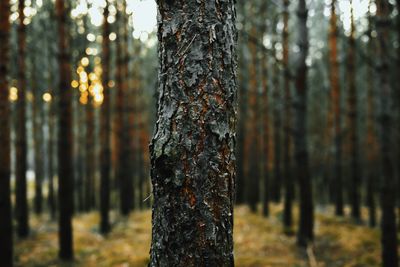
(259, 242)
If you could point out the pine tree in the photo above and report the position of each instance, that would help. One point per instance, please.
(192, 151)
(6, 233)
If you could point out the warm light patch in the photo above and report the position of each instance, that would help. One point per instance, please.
(47, 97)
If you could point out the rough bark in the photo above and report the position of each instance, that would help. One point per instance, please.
(354, 186)
(287, 139)
(6, 233)
(306, 221)
(388, 189)
(335, 100)
(105, 130)
(21, 143)
(192, 151)
(65, 173)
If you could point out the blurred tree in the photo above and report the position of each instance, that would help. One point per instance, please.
(192, 151)
(65, 168)
(6, 233)
(105, 129)
(123, 170)
(388, 194)
(371, 142)
(306, 221)
(335, 106)
(21, 143)
(288, 128)
(354, 184)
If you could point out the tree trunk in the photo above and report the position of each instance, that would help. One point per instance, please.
(306, 222)
(335, 98)
(21, 144)
(192, 151)
(251, 155)
(123, 143)
(65, 173)
(388, 193)
(287, 142)
(353, 117)
(105, 130)
(6, 233)
(371, 140)
(265, 140)
(275, 187)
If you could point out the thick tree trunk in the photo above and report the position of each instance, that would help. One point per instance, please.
(65, 173)
(306, 221)
(388, 193)
(335, 98)
(21, 144)
(192, 151)
(287, 142)
(354, 188)
(105, 131)
(6, 233)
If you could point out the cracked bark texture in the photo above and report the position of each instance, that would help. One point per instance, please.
(6, 233)
(192, 151)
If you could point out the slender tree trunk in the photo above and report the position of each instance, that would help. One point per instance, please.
(38, 140)
(192, 151)
(251, 156)
(275, 187)
(6, 233)
(353, 124)
(287, 144)
(65, 173)
(306, 221)
(123, 142)
(371, 142)
(335, 98)
(265, 112)
(90, 155)
(21, 145)
(105, 131)
(388, 193)
(243, 94)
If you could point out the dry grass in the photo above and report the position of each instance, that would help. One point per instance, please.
(259, 242)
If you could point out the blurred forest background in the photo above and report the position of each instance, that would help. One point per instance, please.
(329, 154)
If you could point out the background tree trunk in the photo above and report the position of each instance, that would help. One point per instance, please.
(65, 173)
(306, 222)
(21, 144)
(105, 130)
(192, 151)
(354, 186)
(6, 233)
(335, 98)
(388, 193)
